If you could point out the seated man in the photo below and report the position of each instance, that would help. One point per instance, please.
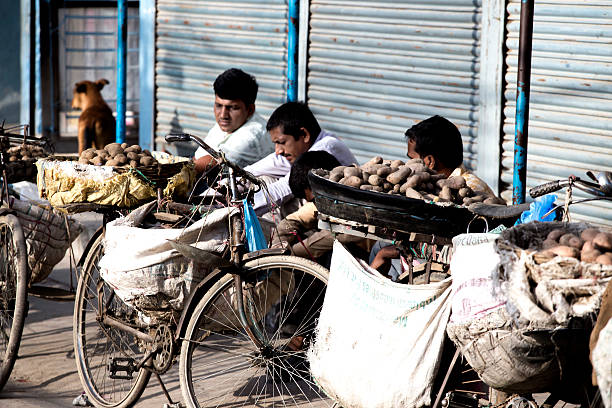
(436, 141)
(299, 229)
(293, 130)
(240, 133)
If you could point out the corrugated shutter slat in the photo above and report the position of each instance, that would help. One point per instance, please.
(570, 121)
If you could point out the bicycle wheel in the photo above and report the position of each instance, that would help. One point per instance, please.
(106, 356)
(220, 364)
(13, 292)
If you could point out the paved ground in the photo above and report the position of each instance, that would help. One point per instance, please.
(45, 373)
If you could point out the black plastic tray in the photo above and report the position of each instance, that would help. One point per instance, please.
(388, 210)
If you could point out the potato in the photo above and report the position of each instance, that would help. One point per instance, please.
(397, 163)
(464, 192)
(378, 189)
(472, 200)
(146, 152)
(132, 156)
(112, 162)
(564, 250)
(146, 160)
(555, 234)
(335, 177)
(352, 181)
(589, 256)
(114, 149)
(455, 182)
(565, 238)
(82, 160)
(417, 179)
(589, 233)
(352, 171)
(494, 201)
(575, 242)
(88, 154)
(97, 161)
(588, 246)
(366, 187)
(412, 193)
(384, 171)
(549, 243)
(121, 159)
(133, 148)
(417, 167)
(604, 259)
(371, 168)
(396, 188)
(446, 194)
(124, 145)
(133, 163)
(400, 175)
(387, 186)
(603, 241)
(375, 160)
(375, 180)
(365, 176)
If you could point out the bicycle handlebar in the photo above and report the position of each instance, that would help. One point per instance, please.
(546, 188)
(186, 137)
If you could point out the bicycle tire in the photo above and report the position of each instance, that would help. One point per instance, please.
(220, 364)
(13, 296)
(96, 344)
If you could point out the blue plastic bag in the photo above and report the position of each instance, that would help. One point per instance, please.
(254, 233)
(537, 209)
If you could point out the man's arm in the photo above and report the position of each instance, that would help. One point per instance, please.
(204, 163)
(278, 191)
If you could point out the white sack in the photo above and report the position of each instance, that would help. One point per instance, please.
(378, 342)
(144, 269)
(473, 265)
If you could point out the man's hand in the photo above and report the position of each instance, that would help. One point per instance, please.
(382, 260)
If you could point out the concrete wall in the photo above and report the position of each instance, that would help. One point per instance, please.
(10, 32)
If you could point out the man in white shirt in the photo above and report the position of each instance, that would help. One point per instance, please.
(293, 130)
(240, 133)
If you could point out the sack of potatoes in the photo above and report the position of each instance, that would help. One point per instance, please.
(592, 245)
(25, 152)
(118, 155)
(412, 179)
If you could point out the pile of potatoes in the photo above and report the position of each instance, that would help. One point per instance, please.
(25, 152)
(592, 246)
(412, 179)
(115, 154)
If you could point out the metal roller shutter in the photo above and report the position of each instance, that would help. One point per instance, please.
(375, 68)
(197, 40)
(570, 121)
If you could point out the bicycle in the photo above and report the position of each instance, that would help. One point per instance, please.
(241, 337)
(13, 266)
(344, 210)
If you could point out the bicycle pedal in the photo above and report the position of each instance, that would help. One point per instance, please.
(115, 365)
(455, 399)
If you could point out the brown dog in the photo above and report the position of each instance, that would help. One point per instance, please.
(96, 123)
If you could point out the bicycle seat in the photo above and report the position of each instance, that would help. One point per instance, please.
(496, 211)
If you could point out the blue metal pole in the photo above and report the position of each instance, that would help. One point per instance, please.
(292, 51)
(37, 73)
(121, 68)
(519, 179)
(146, 62)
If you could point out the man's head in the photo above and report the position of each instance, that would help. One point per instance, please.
(293, 129)
(298, 178)
(438, 142)
(235, 94)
